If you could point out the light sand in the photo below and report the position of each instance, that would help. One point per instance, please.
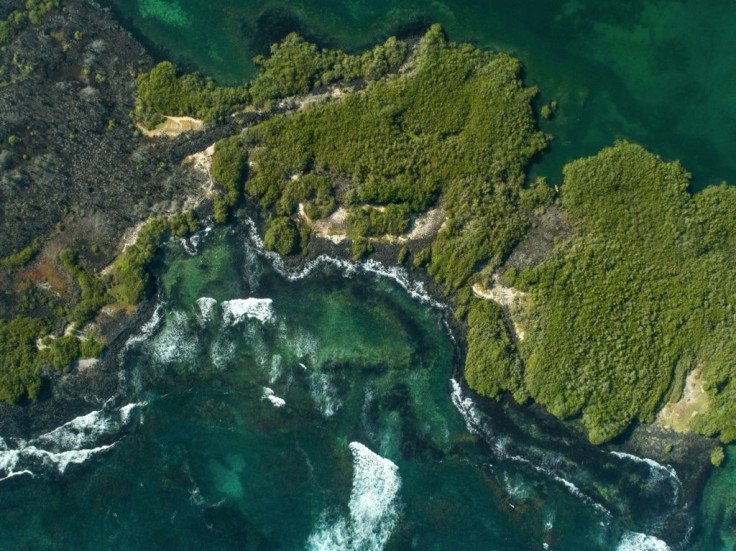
(678, 416)
(510, 299)
(173, 126)
(334, 227)
(202, 162)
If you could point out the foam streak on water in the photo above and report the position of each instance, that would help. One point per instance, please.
(395, 273)
(73, 442)
(206, 307)
(191, 244)
(474, 423)
(663, 470)
(146, 330)
(374, 507)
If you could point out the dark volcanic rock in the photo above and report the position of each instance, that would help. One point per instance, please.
(65, 102)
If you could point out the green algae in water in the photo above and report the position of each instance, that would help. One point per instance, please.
(262, 412)
(169, 13)
(718, 510)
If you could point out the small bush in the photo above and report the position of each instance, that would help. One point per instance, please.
(281, 236)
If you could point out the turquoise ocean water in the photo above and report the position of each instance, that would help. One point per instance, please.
(259, 408)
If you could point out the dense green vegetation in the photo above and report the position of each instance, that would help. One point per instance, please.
(23, 362)
(622, 311)
(130, 275)
(367, 221)
(21, 257)
(19, 19)
(492, 364)
(619, 314)
(282, 236)
(458, 128)
(19, 375)
(296, 66)
(162, 91)
(640, 295)
(229, 169)
(92, 290)
(29, 348)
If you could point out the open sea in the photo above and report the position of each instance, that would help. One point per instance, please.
(260, 407)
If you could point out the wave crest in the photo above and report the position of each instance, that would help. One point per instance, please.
(374, 507)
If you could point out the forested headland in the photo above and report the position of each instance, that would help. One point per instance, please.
(634, 297)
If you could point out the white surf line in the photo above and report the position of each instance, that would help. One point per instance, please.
(667, 470)
(236, 310)
(474, 423)
(373, 506)
(74, 442)
(271, 397)
(191, 244)
(399, 275)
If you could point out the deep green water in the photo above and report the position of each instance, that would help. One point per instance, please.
(317, 411)
(659, 72)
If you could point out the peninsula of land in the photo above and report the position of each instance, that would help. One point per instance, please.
(608, 301)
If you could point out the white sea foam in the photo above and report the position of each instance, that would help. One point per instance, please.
(396, 273)
(373, 506)
(324, 393)
(77, 433)
(17, 473)
(515, 487)
(635, 541)
(474, 423)
(73, 442)
(237, 310)
(222, 350)
(175, 342)
(274, 374)
(146, 330)
(662, 470)
(302, 344)
(466, 407)
(191, 244)
(206, 307)
(571, 488)
(127, 410)
(271, 397)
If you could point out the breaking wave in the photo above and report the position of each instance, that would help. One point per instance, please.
(635, 541)
(146, 330)
(206, 306)
(374, 507)
(660, 471)
(175, 342)
(475, 425)
(191, 243)
(237, 310)
(324, 393)
(271, 397)
(73, 442)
